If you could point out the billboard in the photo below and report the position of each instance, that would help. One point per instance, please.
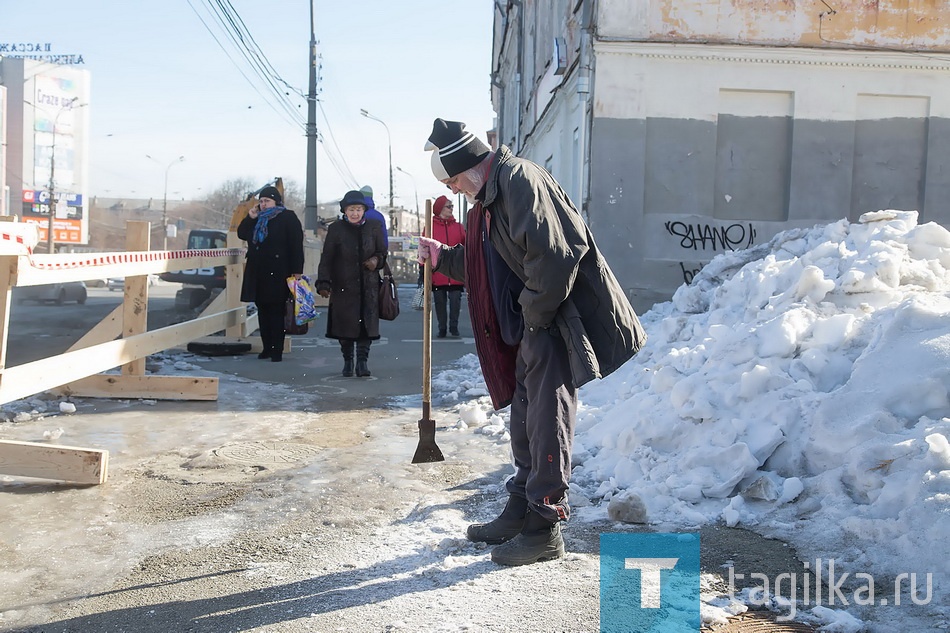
(67, 218)
(54, 172)
(4, 191)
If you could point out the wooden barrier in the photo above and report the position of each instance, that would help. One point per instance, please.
(121, 339)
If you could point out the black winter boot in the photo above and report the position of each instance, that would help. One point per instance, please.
(539, 540)
(347, 348)
(507, 526)
(362, 356)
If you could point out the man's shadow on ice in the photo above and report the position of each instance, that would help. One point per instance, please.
(414, 573)
(486, 498)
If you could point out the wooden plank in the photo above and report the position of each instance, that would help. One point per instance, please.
(135, 294)
(250, 325)
(150, 387)
(235, 279)
(8, 266)
(31, 378)
(108, 329)
(217, 305)
(240, 332)
(52, 461)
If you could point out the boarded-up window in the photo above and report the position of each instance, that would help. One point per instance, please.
(753, 155)
(677, 165)
(890, 153)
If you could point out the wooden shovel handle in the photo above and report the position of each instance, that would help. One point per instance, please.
(427, 322)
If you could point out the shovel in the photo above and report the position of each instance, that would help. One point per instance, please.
(427, 450)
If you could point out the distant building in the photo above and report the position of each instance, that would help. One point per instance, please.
(684, 129)
(108, 218)
(4, 189)
(46, 139)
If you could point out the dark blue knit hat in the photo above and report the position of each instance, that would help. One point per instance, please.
(352, 197)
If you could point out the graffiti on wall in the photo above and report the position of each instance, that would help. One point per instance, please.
(689, 273)
(709, 238)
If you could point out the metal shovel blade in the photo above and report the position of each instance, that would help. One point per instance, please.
(427, 451)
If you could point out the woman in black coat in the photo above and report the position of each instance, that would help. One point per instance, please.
(274, 252)
(353, 252)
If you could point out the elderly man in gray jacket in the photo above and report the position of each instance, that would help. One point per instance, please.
(548, 316)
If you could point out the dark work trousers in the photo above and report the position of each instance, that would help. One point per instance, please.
(453, 296)
(543, 412)
(270, 318)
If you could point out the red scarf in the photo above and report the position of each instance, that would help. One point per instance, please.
(496, 357)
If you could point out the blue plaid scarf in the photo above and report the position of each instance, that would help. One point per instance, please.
(260, 229)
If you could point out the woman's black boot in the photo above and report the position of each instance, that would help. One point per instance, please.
(362, 357)
(347, 348)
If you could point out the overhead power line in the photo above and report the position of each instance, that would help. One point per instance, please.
(233, 27)
(264, 78)
(252, 52)
(351, 177)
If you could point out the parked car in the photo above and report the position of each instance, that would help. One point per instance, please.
(96, 283)
(58, 293)
(118, 283)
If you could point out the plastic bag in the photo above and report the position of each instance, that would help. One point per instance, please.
(305, 309)
(418, 297)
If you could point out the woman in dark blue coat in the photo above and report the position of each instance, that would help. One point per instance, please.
(274, 239)
(353, 252)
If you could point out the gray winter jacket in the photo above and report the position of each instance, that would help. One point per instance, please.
(536, 229)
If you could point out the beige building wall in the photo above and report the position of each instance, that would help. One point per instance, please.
(916, 24)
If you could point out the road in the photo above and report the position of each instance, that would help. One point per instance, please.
(43, 330)
(40, 330)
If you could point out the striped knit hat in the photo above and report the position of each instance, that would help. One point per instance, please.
(453, 149)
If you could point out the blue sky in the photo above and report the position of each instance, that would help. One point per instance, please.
(161, 85)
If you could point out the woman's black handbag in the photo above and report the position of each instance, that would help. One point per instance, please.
(290, 321)
(388, 299)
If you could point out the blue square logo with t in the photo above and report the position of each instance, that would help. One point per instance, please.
(649, 583)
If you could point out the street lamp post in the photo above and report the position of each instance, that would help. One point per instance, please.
(52, 174)
(392, 212)
(416, 190)
(165, 199)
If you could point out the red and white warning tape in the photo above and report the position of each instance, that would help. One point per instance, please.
(82, 260)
